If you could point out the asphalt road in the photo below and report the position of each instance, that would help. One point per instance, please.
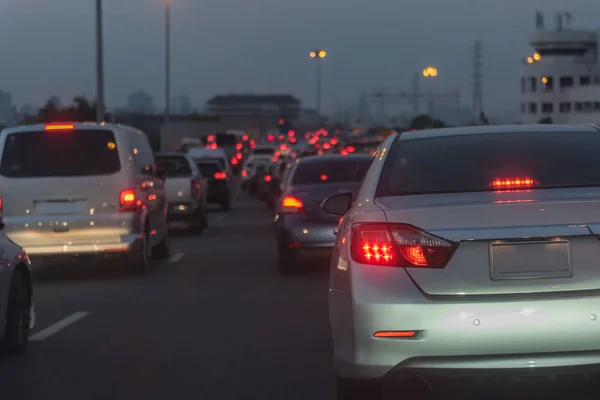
(216, 321)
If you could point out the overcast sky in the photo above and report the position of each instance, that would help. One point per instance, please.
(261, 46)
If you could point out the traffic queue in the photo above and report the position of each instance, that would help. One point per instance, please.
(293, 177)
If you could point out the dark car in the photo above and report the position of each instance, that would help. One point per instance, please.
(304, 230)
(219, 182)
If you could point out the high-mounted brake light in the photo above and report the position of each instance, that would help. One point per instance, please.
(399, 245)
(292, 205)
(513, 183)
(59, 127)
(129, 201)
(220, 175)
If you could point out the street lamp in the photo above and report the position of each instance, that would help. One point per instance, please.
(318, 55)
(167, 60)
(99, 64)
(430, 72)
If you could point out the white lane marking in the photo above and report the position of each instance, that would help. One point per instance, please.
(58, 326)
(176, 257)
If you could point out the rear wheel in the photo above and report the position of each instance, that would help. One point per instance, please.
(18, 316)
(139, 260)
(359, 389)
(163, 249)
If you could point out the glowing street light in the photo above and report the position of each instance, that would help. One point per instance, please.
(530, 60)
(430, 72)
(544, 80)
(537, 57)
(318, 55)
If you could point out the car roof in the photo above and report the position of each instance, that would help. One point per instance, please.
(76, 125)
(482, 129)
(334, 158)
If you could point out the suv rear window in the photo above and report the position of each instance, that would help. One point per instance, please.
(74, 153)
(470, 163)
(263, 151)
(175, 167)
(208, 169)
(331, 171)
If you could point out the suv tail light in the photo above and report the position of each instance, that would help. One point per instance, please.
(291, 205)
(129, 201)
(220, 175)
(399, 245)
(268, 178)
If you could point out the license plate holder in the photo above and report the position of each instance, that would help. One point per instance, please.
(530, 260)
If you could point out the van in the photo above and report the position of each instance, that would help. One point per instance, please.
(75, 189)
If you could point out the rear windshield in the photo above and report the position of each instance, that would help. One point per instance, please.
(470, 163)
(64, 154)
(331, 172)
(263, 151)
(208, 169)
(175, 167)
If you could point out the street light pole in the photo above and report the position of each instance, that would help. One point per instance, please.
(430, 72)
(318, 55)
(99, 64)
(167, 60)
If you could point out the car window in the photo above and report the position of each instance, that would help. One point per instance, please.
(263, 151)
(175, 167)
(330, 171)
(63, 154)
(208, 168)
(467, 163)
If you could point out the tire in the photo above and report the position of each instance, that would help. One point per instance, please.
(163, 249)
(286, 261)
(359, 389)
(139, 260)
(18, 316)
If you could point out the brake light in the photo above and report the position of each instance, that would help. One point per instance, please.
(513, 183)
(239, 156)
(323, 177)
(252, 144)
(398, 245)
(1, 206)
(292, 205)
(326, 146)
(220, 175)
(270, 138)
(234, 161)
(333, 141)
(210, 138)
(214, 146)
(129, 201)
(244, 173)
(344, 152)
(350, 149)
(245, 137)
(59, 127)
(238, 146)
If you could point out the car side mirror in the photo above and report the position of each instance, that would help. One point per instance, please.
(338, 204)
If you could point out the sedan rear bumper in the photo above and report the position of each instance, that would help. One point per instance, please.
(126, 244)
(462, 338)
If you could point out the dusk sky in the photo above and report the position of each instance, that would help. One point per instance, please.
(262, 46)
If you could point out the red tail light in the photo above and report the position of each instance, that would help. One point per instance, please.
(1, 206)
(129, 201)
(350, 149)
(292, 205)
(245, 137)
(244, 173)
(513, 183)
(268, 178)
(344, 152)
(220, 175)
(59, 127)
(398, 245)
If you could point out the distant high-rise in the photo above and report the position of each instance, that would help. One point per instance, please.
(141, 101)
(181, 104)
(8, 112)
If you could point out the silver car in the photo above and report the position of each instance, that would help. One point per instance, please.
(469, 252)
(17, 314)
(304, 231)
(83, 189)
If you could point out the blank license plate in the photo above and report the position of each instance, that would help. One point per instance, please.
(530, 260)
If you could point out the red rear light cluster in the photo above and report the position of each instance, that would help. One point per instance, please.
(220, 175)
(513, 183)
(268, 178)
(129, 201)
(291, 205)
(398, 245)
(244, 173)
(59, 127)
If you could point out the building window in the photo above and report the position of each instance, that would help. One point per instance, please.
(532, 84)
(532, 108)
(584, 80)
(587, 106)
(565, 107)
(578, 106)
(547, 108)
(566, 82)
(596, 106)
(522, 85)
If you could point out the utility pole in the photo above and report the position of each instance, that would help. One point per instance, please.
(99, 64)
(416, 94)
(477, 85)
(167, 61)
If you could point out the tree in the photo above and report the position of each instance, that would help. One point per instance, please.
(545, 120)
(425, 122)
(81, 110)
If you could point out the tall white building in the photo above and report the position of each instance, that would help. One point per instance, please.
(561, 77)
